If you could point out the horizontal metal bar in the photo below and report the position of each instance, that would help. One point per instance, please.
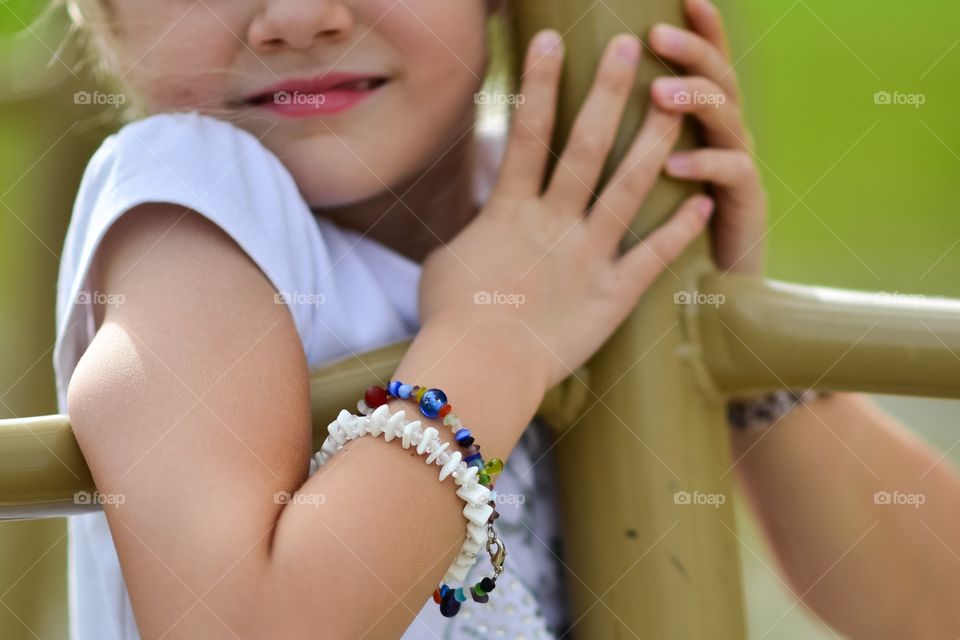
(754, 334)
(43, 472)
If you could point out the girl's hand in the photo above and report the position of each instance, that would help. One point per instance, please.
(534, 262)
(710, 93)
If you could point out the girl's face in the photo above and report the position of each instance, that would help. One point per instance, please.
(412, 67)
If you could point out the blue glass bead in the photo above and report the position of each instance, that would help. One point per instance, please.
(460, 595)
(443, 590)
(431, 401)
(449, 606)
(461, 433)
(404, 390)
(470, 459)
(393, 387)
(478, 463)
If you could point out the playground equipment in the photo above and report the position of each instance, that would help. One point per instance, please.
(648, 408)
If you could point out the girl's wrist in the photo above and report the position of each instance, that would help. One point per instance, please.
(498, 343)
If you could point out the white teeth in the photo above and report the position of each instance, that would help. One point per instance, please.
(360, 85)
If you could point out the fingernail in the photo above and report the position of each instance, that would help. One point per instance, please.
(628, 49)
(670, 38)
(548, 43)
(704, 206)
(679, 164)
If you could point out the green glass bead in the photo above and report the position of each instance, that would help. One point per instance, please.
(479, 590)
(483, 478)
(494, 466)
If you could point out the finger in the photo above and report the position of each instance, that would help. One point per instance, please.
(525, 159)
(595, 128)
(721, 117)
(617, 206)
(705, 19)
(697, 55)
(722, 167)
(641, 264)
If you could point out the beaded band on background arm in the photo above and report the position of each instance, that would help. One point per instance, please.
(764, 411)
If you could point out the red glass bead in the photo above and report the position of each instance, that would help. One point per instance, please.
(444, 410)
(375, 396)
(436, 596)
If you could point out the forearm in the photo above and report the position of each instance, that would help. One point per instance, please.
(871, 570)
(192, 402)
(391, 533)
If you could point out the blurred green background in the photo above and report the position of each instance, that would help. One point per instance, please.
(861, 197)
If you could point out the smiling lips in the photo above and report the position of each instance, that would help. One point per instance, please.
(324, 95)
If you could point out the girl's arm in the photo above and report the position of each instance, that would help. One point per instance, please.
(862, 516)
(192, 399)
(193, 402)
(871, 570)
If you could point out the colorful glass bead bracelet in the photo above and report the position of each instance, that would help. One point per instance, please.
(425, 441)
(433, 404)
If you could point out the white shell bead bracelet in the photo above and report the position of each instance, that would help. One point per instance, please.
(426, 441)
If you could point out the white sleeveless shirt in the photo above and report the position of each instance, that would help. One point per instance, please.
(369, 300)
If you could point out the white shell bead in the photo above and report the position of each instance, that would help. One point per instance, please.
(475, 494)
(450, 465)
(478, 514)
(456, 573)
(378, 419)
(408, 431)
(476, 533)
(390, 431)
(336, 432)
(433, 456)
(471, 547)
(429, 435)
(330, 446)
(362, 424)
(467, 477)
(465, 561)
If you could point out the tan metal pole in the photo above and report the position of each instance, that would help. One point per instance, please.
(643, 562)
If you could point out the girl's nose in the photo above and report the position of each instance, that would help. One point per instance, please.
(300, 23)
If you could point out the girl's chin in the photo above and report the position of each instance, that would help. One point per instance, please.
(332, 196)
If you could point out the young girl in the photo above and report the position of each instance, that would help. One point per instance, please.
(307, 181)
